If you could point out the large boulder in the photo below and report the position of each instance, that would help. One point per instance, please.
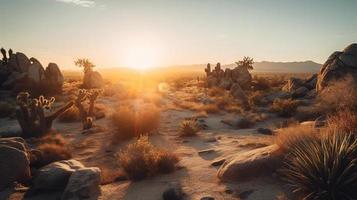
(310, 82)
(55, 176)
(54, 77)
(19, 62)
(92, 79)
(237, 92)
(242, 77)
(337, 66)
(14, 161)
(225, 83)
(292, 85)
(36, 74)
(83, 184)
(251, 164)
(13, 78)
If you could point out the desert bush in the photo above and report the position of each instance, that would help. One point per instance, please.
(6, 109)
(141, 159)
(290, 137)
(338, 95)
(188, 128)
(284, 107)
(131, 123)
(51, 148)
(343, 121)
(70, 115)
(324, 168)
(260, 83)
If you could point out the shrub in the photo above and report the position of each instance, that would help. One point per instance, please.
(325, 168)
(344, 121)
(70, 115)
(51, 148)
(284, 107)
(6, 109)
(130, 123)
(188, 128)
(141, 159)
(245, 122)
(260, 83)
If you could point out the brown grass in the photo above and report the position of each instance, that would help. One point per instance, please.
(188, 128)
(130, 123)
(141, 159)
(284, 107)
(51, 148)
(344, 121)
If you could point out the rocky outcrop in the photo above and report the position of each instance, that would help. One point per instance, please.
(19, 73)
(298, 88)
(251, 164)
(70, 176)
(14, 161)
(92, 79)
(338, 66)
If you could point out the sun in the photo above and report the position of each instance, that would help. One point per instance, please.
(141, 57)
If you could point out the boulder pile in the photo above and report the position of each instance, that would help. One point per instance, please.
(299, 88)
(19, 73)
(234, 80)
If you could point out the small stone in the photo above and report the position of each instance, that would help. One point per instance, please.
(218, 162)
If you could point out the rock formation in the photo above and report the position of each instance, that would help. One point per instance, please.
(19, 73)
(337, 66)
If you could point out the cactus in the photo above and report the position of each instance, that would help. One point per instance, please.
(30, 114)
(3, 52)
(87, 115)
(208, 69)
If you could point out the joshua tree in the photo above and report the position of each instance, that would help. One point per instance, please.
(85, 63)
(87, 116)
(3, 52)
(247, 63)
(10, 53)
(31, 115)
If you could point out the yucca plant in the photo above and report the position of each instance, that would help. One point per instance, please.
(324, 168)
(188, 128)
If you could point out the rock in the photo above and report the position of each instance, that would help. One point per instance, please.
(14, 161)
(292, 85)
(174, 192)
(225, 83)
(265, 131)
(22, 62)
(310, 82)
(13, 78)
(242, 76)
(212, 81)
(55, 175)
(311, 94)
(83, 184)
(92, 79)
(251, 164)
(237, 92)
(338, 66)
(300, 92)
(277, 95)
(219, 162)
(54, 77)
(36, 73)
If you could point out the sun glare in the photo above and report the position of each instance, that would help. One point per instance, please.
(141, 57)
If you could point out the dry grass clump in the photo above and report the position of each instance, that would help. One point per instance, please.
(290, 137)
(343, 121)
(6, 109)
(51, 148)
(131, 123)
(284, 107)
(141, 159)
(324, 168)
(188, 128)
(339, 95)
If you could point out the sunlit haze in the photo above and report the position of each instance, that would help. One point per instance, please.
(145, 34)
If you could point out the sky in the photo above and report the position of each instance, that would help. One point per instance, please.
(127, 33)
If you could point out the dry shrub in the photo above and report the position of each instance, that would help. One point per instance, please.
(339, 95)
(6, 109)
(260, 83)
(188, 128)
(307, 113)
(343, 121)
(290, 137)
(284, 107)
(130, 123)
(141, 159)
(51, 148)
(70, 115)
(255, 99)
(216, 92)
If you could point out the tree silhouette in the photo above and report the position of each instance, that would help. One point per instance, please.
(247, 63)
(85, 63)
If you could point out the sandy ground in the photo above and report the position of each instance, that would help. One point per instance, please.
(196, 175)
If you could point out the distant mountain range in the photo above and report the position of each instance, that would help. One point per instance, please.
(264, 66)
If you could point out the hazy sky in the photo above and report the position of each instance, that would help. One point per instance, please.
(163, 32)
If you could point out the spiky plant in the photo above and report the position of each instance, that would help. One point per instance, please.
(325, 168)
(188, 128)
